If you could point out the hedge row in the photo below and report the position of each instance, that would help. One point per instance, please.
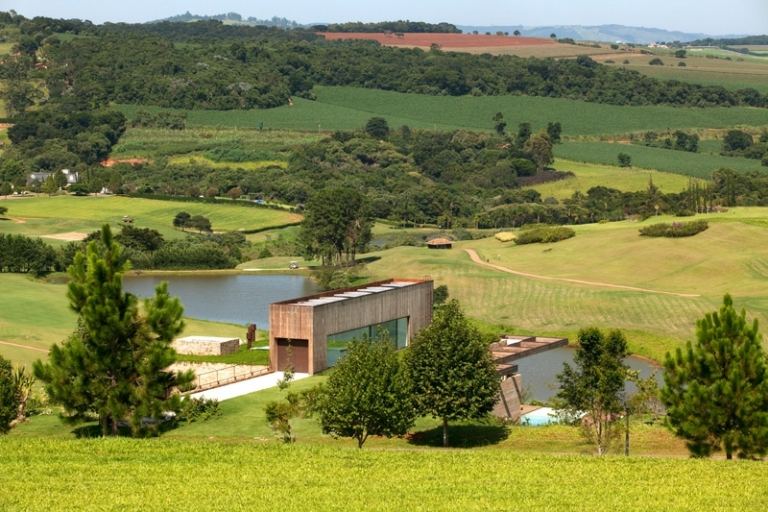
(674, 230)
(545, 235)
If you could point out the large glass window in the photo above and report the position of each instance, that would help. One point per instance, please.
(396, 330)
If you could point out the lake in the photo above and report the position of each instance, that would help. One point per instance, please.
(539, 371)
(235, 298)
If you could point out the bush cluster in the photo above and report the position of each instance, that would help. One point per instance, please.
(544, 235)
(675, 229)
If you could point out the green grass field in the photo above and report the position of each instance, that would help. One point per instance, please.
(729, 257)
(347, 108)
(154, 143)
(588, 175)
(699, 165)
(107, 474)
(741, 72)
(35, 314)
(42, 216)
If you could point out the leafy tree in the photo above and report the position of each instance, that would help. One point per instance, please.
(440, 295)
(377, 127)
(523, 134)
(9, 396)
(336, 225)
(3, 209)
(499, 124)
(516, 32)
(181, 220)
(114, 366)
(554, 132)
(736, 140)
(656, 62)
(451, 369)
(624, 160)
(142, 239)
(680, 54)
(368, 393)
(540, 149)
(200, 223)
(716, 389)
(595, 385)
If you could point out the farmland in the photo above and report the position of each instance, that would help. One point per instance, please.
(183, 474)
(588, 175)
(443, 40)
(699, 165)
(46, 216)
(348, 108)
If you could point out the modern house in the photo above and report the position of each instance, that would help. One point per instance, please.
(311, 333)
(72, 177)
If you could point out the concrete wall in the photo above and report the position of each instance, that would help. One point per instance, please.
(202, 347)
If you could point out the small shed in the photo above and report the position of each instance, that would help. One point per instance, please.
(440, 243)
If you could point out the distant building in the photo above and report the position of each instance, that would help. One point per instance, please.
(440, 243)
(311, 333)
(72, 177)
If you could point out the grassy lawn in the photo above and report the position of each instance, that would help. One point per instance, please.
(590, 175)
(348, 108)
(106, 474)
(699, 165)
(35, 314)
(43, 215)
(612, 253)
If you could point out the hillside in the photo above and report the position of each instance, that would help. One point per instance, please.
(609, 33)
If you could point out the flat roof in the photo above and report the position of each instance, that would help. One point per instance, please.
(344, 294)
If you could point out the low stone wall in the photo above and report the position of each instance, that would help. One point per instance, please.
(205, 346)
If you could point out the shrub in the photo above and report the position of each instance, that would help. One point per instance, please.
(505, 236)
(656, 62)
(624, 160)
(681, 64)
(199, 409)
(675, 229)
(544, 235)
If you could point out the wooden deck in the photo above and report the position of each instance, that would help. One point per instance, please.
(512, 348)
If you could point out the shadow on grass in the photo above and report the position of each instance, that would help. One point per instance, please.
(93, 430)
(462, 435)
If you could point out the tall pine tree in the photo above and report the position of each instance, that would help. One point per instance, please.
(716, 390)
(114, 366)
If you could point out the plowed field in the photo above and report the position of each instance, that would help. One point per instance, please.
(444, 40)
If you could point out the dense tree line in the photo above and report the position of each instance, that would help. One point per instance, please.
(678, 140)
(21, 254)
(390, 26)
(237, 67)
(741, 143)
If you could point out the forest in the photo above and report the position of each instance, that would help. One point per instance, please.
(209, 65)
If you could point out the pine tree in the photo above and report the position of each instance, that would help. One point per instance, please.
(716, 390)
(451, 369)
(9, 397)
(114, 366)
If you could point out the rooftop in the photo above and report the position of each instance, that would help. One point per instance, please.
(344, 294)
(510, 348)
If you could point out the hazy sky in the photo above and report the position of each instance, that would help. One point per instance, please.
(709, 16)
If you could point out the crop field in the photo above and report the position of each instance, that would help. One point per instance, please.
(737, 73)
(588, 175)
(554, 51)
(34, 314)
(106, 474)
(46, 216)
(348, 108)
(686, 278)
(699, 165)
(153, 142)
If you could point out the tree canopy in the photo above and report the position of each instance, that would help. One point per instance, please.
(451, 369)
(716, 389)
(114, 365)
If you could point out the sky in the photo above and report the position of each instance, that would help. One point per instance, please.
(704, 16)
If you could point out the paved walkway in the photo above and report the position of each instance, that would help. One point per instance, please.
(245, 387)
(477, 259)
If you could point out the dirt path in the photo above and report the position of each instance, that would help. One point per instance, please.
(476, 258)
(9, 344)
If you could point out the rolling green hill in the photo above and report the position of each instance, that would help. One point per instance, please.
(347, 108)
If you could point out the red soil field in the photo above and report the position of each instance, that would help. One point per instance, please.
(444, 40)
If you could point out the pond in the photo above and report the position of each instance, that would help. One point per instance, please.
(539, 371)
(235, 298)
